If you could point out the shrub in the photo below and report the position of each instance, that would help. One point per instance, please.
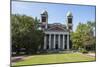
(83, 50)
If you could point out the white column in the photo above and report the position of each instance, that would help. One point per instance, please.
(54, 41)
(68, 42)
(45, 43)
(59, 41)
(63, 41)
(49, 41)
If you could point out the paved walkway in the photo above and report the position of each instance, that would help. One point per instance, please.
(18, 58)
(91, 54)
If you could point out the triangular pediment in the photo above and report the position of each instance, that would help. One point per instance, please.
(56, 28)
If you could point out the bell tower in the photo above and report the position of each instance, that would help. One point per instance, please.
(70, 27)
(44, 19)
(70, 21)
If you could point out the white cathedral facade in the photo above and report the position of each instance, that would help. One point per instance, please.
(57, 36)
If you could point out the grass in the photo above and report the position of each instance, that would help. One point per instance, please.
(54, 58)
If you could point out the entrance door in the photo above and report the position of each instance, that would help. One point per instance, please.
(56, 46)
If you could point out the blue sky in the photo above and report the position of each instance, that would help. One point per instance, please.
(57, 12)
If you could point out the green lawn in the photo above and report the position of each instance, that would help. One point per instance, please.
(54, 58)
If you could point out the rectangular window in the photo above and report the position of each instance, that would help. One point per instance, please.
(69, 20)
(43, 19)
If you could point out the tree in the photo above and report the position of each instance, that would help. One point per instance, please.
(25, 34)
(76, 40)
(83, 36)
(36, 23)
(92, 25)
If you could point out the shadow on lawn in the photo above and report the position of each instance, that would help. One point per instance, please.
(46, 53)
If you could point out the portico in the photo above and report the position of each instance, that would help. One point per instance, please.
(56, 41)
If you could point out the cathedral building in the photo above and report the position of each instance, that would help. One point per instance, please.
(57, 36)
